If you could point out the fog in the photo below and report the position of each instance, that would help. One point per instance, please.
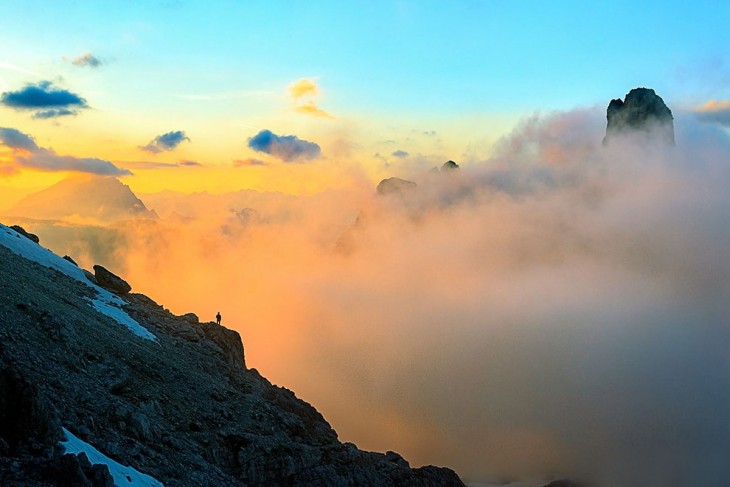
(558, 308)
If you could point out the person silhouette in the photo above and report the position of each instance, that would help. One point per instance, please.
(218, 318)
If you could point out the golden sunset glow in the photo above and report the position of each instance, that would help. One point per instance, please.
(412, 212)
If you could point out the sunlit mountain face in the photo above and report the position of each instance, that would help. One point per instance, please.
(551, 304)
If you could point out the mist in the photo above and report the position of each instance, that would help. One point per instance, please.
(560, 308)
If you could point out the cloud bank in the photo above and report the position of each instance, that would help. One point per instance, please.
(166, 142)
(26, 153)
(558, 308)
(288, 148)
(46, 100)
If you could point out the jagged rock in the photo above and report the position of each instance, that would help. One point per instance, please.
(68, 258)
(642, 111)
(66, 471)
(110, 281)
(28, 235)
(449, 166)
(394, 186)
(393, 457)
(229, 342)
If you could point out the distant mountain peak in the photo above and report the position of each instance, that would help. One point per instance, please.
(97, 198)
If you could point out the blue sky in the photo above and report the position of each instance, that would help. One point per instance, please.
(219, 70)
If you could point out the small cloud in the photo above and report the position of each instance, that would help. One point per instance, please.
(86, 59)
(165, 142)
(400, 154)
(305, 96)
(303, 87)
(26, 153)
(249, 162)
(160, 165)
(715, 111)
(56, 112)
(45, 99)
(288, 148)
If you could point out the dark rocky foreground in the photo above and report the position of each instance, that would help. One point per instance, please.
(183, 409)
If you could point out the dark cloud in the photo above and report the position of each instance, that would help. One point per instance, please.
(27, 153)
(251, 161)
(288, 148)
(15, 139)
(165, 142)
(400, 154)
(189, 163)
(45, 98)
(57, 112)
(86, 59)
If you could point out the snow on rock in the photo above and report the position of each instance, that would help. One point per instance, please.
(123, 476)
(122, 318)
(106, 302)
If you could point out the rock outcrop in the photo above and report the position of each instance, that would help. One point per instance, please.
(26, 234)
(108, 280)
(642, 111)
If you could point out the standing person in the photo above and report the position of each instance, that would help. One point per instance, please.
(218, 318)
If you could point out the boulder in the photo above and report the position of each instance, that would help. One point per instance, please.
(68, 258)
(642, 111)
(23, 232)
(110, 281)
(191, 318)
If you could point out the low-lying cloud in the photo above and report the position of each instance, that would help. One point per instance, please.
(166, 142)
(715, 111)
(44, 99)
(558, 308)
(288, 148)
(26, 153)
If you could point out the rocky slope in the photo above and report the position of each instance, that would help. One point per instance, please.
(167, 399)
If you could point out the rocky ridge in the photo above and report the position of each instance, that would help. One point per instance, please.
(183, 408)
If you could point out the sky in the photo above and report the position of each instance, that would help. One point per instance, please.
(551, 303)
(433, 80)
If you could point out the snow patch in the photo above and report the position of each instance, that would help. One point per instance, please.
(123, 476)
(106, 302)
(122, 318)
